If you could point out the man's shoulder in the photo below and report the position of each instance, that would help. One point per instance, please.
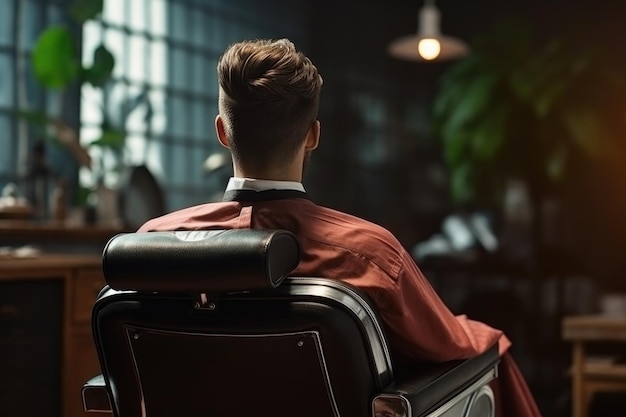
(355, 234)
(188, 217)
(345, 220)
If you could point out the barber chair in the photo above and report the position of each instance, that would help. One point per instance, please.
(208, 323)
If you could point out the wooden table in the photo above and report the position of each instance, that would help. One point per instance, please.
(589, 377)
(56, 237)
(32, 230)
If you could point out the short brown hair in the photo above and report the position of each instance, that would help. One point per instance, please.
(269, 98)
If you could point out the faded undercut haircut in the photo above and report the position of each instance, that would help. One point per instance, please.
(269, 98)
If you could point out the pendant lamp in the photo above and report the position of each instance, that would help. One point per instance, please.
(428, 44)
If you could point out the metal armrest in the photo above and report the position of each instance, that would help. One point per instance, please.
(95, 396)
(433, 389)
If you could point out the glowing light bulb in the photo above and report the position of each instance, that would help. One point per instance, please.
(429, 48)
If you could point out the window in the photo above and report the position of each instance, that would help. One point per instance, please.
(166, 53)
(21, 21)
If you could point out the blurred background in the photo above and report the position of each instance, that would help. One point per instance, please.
(500, 169)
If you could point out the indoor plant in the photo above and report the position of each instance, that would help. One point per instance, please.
(510, 109)
(58, 67)
(515, 110)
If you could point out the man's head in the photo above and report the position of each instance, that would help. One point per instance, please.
(269, 98)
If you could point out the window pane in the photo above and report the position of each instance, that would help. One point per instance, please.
(199, 118)
(218, 33)
(137, 59)
(54, 101)
(136, 120)
(6, 146)
(114, 11)
(176, 199)
(209, 83)
(34, 92)
(54, 14)
(137, 10)
(176, 117)
(114, 41)
(91, 40)
(159, 117)
(136, 146)
(233, 31)
(158, 23)
(198, 29)
(6, 22)
(179, 163)
(190, 85)
(116, 96)
(177, 21)
(6, 81)
(31, 23)
(198, 155)
(158, 65)
(88, 177)
(91, 105)
(177, 69)
(198, 71)
(153, 160)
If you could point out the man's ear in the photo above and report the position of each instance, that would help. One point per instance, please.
(221, 132)
(313, 137)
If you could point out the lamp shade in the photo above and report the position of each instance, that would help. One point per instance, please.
(406, 47)
(428, 44)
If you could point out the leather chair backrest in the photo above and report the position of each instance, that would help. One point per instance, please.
(175, 338)
(203, 260)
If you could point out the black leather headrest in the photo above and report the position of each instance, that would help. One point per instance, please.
(200, 261)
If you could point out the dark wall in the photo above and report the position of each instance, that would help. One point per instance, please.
(378, 158)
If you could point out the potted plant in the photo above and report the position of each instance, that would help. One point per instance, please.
(57, 66)
(512, 110)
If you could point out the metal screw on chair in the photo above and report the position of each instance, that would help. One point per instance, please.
(136, 336)
(300, 343)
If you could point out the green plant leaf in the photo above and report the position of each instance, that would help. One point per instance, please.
(544, 80)
(83, 10)
(473, 101)
(462, 184)
(456, 145)
(111, 138)
(454, 84)
(35, 117)
(490, 133)
(102, 68)
(470, 65)
(510, 110)
(81, 198)
(54, 59)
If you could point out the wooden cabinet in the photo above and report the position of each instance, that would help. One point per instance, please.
(80, 354)
(78, 279)
(83, 366)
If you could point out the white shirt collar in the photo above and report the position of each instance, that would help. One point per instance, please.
(235, 183)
